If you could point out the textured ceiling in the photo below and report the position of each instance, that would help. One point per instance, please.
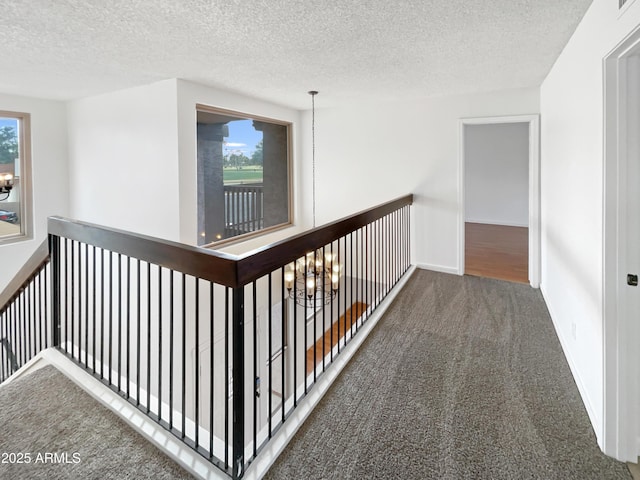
(277, 50)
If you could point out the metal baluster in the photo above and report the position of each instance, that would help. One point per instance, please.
(94, 308)
(324, 286)
(197, 361)
(394, 265)
(72, 300)
(270, 350)
(315, 326)
(148, 383)
(211, 368)
(358, 277)
(102, 313)
(282, 341)
(119, 322)
(4, 349)
(351, 300)
(31, 320)
(160, 322)
(367, 251)
(238, 382)
(295, 343)
(305, 317)
(255, 366)
(25, 324)
(408, 237)
(110, 312)
(48, 312)
(86, 306)
(386, 257)
(171, 345)
(226, 376)
(64, 275)
(331, 304)
(128, 327)
(184, 353)
(12, 360)
(373, 263)
(138, 334)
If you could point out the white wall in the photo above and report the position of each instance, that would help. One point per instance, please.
(572, 180)
(123, 150)
(133, 155)
(49, 169)
(366, 155)
(497, 174)
(190, 94)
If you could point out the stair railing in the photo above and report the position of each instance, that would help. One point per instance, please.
(216, 348)
(24, 314)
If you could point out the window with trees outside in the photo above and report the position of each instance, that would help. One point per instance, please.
(243, 174)
(14, 176)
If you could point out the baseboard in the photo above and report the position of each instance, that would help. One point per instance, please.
(503, 224)
(588, 405)
(437, 268)
(31, 366)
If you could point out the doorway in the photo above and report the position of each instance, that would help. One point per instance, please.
(499, 198)
(621, 256)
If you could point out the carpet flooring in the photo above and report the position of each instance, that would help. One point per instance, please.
(52, 429)
(463, 378)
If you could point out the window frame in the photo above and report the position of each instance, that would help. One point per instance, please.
(25, 177)
(289, 157)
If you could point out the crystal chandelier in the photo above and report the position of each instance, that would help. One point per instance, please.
(315, 278)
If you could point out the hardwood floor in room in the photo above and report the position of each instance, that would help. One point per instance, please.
(497, 251)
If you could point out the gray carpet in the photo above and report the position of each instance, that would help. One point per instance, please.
(463, 378)
(46, 413)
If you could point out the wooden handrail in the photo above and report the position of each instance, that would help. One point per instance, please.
(207, 264)
(222, 268)
(31, 268)
(257, 263)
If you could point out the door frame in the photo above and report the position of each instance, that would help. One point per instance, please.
(621, 370)
(534, 188)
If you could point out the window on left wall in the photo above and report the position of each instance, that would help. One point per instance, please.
(15, 176)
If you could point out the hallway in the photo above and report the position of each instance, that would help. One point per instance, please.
(464, 377)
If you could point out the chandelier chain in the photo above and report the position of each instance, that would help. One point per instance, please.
(315, 278)
(313, 153)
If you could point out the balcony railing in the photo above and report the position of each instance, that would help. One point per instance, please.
(211, 346)
(243, 209)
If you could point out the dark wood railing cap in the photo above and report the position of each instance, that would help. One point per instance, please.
(222, 268)
(203, 263)
(264, 260)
